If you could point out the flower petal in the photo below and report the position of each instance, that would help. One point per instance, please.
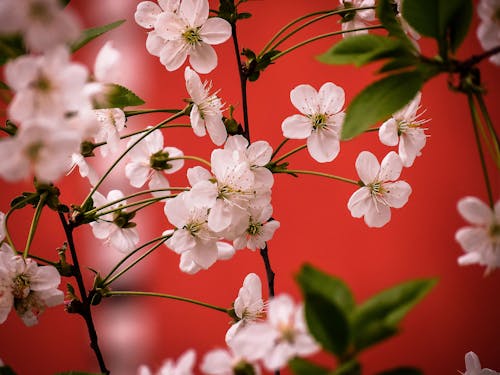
(367, 167)
(388, 133)
(203, 58)
(323, 145)
(215, 31)
(475, 211)
(331, 98)
(390, 168)
(305, 99)
(296, 127)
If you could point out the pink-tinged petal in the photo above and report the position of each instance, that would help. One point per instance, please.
(21, 72)
(296, 127)
(473, 239)
(390, 168)
(278, 356)
(323, 145)
(219, 217)
(388, 133)
(281, 309)
(169, 5)
(397, 193)
(378, 216)
(154, 43)
(410, 145)
(106, 63)
(101, 229)
(305, 99)
(124, 239)
(236, 142)
(254, 341)
(51, 297)
(181, 241)
(197, 123)
(224, 250)
(203, 58)
(215, 31)
(198, 174)
(158, 181)
(186, 362)
(195, 12)
(475, 211)
(177, 211)
(204, 194)
(497, 211)
(169, 26)
(305, 345)
(22, 106)
(154, 142)
(46, 277)
(469, 258)
(331, 98)
(217, 361)
(204, 254)
(137, 173)
(259, 153)
(360, 202)
(472, 361)
(146, 14)
(173, 54)
(6, 303)
(175, 165)
(187, 265)
(216, 129)
(194, 86)
(367, 167)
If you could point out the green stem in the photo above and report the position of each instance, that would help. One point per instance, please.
(168, 296)
(144, 135)
(39, 259)
(321, 174)
(34, 223)
(119, 274)
(120, 263)
(289, 153)
(322, 36)
(372, 130)
(196, 158)
(475, 123)
(283, 142)
(491, 128)
(146, 111)
(144, 203)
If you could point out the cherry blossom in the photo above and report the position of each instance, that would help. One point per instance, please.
(2, 226)
(281, 337)
(380, 190)
(183, 366)
(227, 362)
(26, 287)
(111, 123)
(190, 32)
(480, 240)
(473, 366)
(320, 121)
(115, 227)
(358, 19)
(43, 23)
(405, 128)
(248, 306)
(150, 161)
(206, 114)
(488, 31)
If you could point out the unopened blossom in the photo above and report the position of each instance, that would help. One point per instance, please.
(380, 190)
(206, 113)
(260, 228)
(320, 120)
(357, 19)
(248, 306)
(183, 366)
(488, 31)
(46, 86)
(281, 337)
(150, 161)
(115, 227)
(26, 287)
(43, 23)
(189, 32)
(37, 149)
(405, 128)
(473, 366)
(228, 362)
(480, 240)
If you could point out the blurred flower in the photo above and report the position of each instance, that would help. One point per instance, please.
(183, 366)
(380, 192)
(27, 287)
(473, 366)
(111, 123)
(206, 113)
(481, 241)
(488, 31)
(227, 362)
(357, 19)
(404, 128)
(320, 121)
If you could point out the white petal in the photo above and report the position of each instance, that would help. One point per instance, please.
(215, 31)
(475, 211)
(137, 173)
(388, 133)
(224, 250)
(216, 362)
(360, 202)
(296, 127)
(259, 153)
(378, 216)
(473, 239)
(203, 58)
(173, 54)
(194, 11)
(323, 145)
(216, 129)
(154, 43)
(305, 99)
(105, 68)
(146, 14)
(46, 277)
(367, 167)
(331, 98)
(390, 168)
(397, 193)
(204, 254)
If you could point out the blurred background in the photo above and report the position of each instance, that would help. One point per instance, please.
(461, 313)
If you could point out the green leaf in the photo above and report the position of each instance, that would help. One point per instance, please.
(397, 64)
(327, 323)
(4, 86)
(11, 46)
(90, 34)
(118, 96)
(362, 49)
(386, 13)
(378, 317)
(402, 371)
(6, 370)
(380, 100)
(301, 366)
(459, 25)
(349, 368)
(312, 280)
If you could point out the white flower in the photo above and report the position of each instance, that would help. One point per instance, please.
(190, 32)
(115, 227)
(405, 128)
(359, 19)
(28, 288)
(46, 86)
(259, 229)
(2, 226)
(111, 123)
(183, 366)
(43, 23)
(481, 240)
(380, 190)
(227, 362)
(206, 114)
(84, 168)
(248, 306)
(150, 161)
(320, 121)
(473, 366)
(281, 337)
(488, 31)
(38, 149)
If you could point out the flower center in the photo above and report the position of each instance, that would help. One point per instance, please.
(194, 227)
(319, 121)
(192, 36)
(39, 11)
(159, 161)
(494, 232)
(42, 84)
(254, 228)
(243, 368)
(377, 188)
(21, 286)
(122, 219)
(33, 150)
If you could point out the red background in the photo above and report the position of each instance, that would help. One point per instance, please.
(462, 312)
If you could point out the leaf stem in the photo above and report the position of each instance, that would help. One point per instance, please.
(196, 158)
(289, 153)
(321, 174)
(146, 111)
(283, 142)
(491, 128)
